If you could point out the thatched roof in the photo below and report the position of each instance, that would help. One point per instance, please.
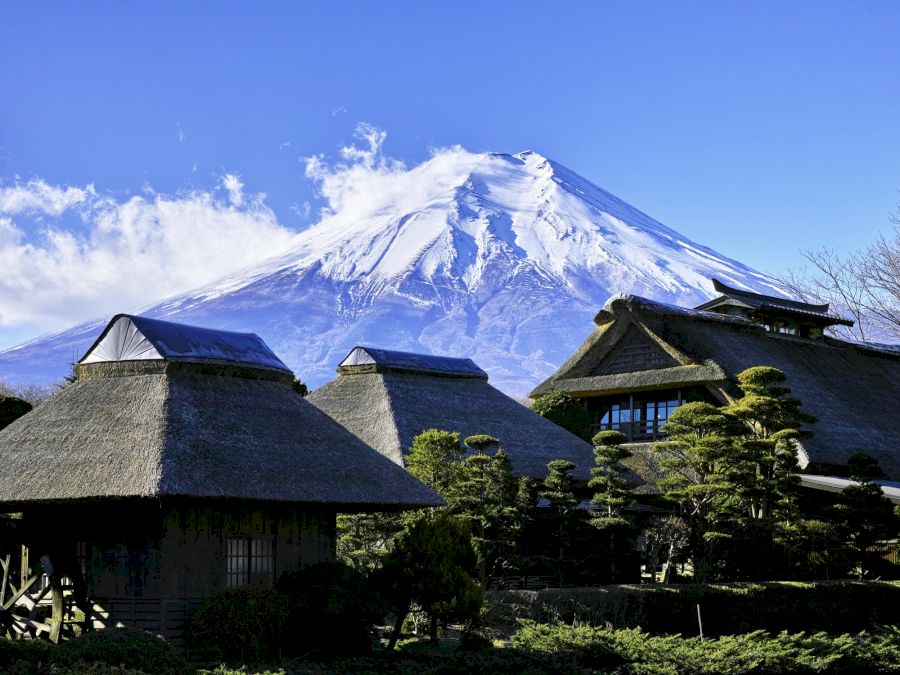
(387, 406)
(193, 428)
(852, 389)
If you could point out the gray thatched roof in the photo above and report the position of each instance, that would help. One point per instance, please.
(388, 407)
(852, 389)
(159, 428)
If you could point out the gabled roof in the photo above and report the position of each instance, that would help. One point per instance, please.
(758, 301)
(174, 427)
(852, 389)
(387, 408)
(386, 359)
(139, 338)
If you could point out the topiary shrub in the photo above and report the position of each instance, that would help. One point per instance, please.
(562, 409)
(126, 648)
(240, 624)
(332, 609)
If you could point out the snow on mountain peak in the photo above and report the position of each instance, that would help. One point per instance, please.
(501, 258)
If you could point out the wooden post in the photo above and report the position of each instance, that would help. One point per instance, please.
(6, 563)
(56, 622)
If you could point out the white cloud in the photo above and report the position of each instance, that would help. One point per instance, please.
(133, 252)
(367, 180)
(181, 135)
(232, 183)
(37, 196)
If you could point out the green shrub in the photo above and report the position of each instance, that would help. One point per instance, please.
(241, 624)
(122, 647)
(332, 610)
(837, 607)
(634, 651)
(562, 409)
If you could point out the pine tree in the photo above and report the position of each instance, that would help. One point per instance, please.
(765, 518)
(613, 492)
(865, 515)
(486, 500)
(363, 539)
(696, 457)
(765, 463)
(435, 458)
(430, 567)
(559, 490)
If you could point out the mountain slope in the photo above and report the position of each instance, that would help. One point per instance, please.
(502, 258)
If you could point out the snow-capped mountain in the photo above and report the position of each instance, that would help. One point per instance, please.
(501, 258)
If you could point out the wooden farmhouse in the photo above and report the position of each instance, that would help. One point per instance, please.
(645, 358)
(180, 463)
(388, 397)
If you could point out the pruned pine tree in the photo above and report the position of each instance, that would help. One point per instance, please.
(363, 539)
(559, 491)
(486, 499)
(866, 517)
(524, 520)
(431, 568)
(696, 459)
(764, 465)
(612, 491)
(435, 458)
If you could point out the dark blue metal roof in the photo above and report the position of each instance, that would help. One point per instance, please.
(411, 361)
(129, 338)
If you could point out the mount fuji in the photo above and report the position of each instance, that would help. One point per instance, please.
(501, 258)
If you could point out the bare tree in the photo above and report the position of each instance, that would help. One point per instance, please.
(863, 285)
(33, 393)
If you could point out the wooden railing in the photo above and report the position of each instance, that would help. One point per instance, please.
(643, 430)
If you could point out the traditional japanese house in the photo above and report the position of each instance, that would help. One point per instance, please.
(388, 397)
(180, 463)
(645, 358)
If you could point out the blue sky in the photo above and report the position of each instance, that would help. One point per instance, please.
(757, 129)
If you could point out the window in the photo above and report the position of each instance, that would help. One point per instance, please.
(249, 561)
(638, 417)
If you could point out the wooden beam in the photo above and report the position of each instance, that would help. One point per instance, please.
(5, 563)
(22, 591)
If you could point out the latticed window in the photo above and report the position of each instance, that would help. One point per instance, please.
(249, 560)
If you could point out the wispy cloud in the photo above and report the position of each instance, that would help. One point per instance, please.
(235, 188)
(127, 254)
(181, 135)
(37, 196)
(366, 179)
(340, 110)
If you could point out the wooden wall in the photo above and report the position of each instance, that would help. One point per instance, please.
(149, 563)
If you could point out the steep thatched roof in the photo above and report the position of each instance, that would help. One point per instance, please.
(160, 428)
(852, 389)
(388, 405)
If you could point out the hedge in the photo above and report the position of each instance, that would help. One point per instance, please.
(636, 652)
(726, 609)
